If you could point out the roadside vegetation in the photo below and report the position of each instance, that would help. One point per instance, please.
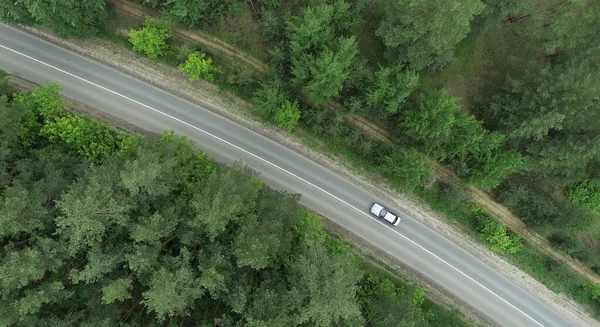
(103, 228)
(503, 93)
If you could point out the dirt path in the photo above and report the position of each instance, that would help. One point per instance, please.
(210, 97)
(139, 13)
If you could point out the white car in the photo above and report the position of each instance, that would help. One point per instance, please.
(381, 212)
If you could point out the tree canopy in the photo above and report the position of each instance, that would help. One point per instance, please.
(423, 33)
(66, 18)
(153, 232)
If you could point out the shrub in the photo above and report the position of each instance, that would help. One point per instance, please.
(494, 233)
(585, 195)
(151, 39)
(81, 134)
(268, 100)
(287, 116)
(196, 67)
(273, 106)
(594, 290)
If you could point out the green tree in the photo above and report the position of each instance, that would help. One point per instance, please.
(44, 101)
(268, 100)
(390, 88)
(264, 236)
(489, 171)
(18, 268)
(90, 207)
(151, 39)
(322, 76)
(271, 307)
(548, 113)
(432, 118)
(66, 18)
(401, 310)
(321, 57)
(116, 290)
(20, 212)
(173, 290)
(196, 67)
(406, 169)
(227, 195)
(34, 298)
(564, 28)
(424, 33)
(323, 284)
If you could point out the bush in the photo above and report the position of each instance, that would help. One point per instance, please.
(92, 140)
(268, 100)
(196, 67)
(585, 195)
(494, 233)
(151, 39)
(287, 116)
(594, 290)
(273, 106)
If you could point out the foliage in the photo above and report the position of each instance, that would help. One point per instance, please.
(585, 195)
(288, 115)
(390, 88)
(496, 11)
(424, 33)
(431, 119)
(81, 134)
(594, 290)
(547, 112)
(196, 67)
(66, 18)
(404, 308)
(151, 39)
(268, 100)
(494, 233)
(156, 228)
(46, 101)
(117, 290)
(272, 105)
(193, 12)
(406, 169)
(321, 57)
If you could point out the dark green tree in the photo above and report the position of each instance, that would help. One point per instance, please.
(406, 170)
(227, 195)
(423, 34)
(321, 57)
(66, 18)
(390, 88)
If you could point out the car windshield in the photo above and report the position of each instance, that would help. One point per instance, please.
(383, 212)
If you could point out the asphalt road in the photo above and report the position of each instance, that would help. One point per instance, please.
(322, 190)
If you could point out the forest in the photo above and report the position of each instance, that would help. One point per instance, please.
(505, 93)
(104, 228)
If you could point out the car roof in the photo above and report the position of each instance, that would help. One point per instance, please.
(376, 208)
(390, 217)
